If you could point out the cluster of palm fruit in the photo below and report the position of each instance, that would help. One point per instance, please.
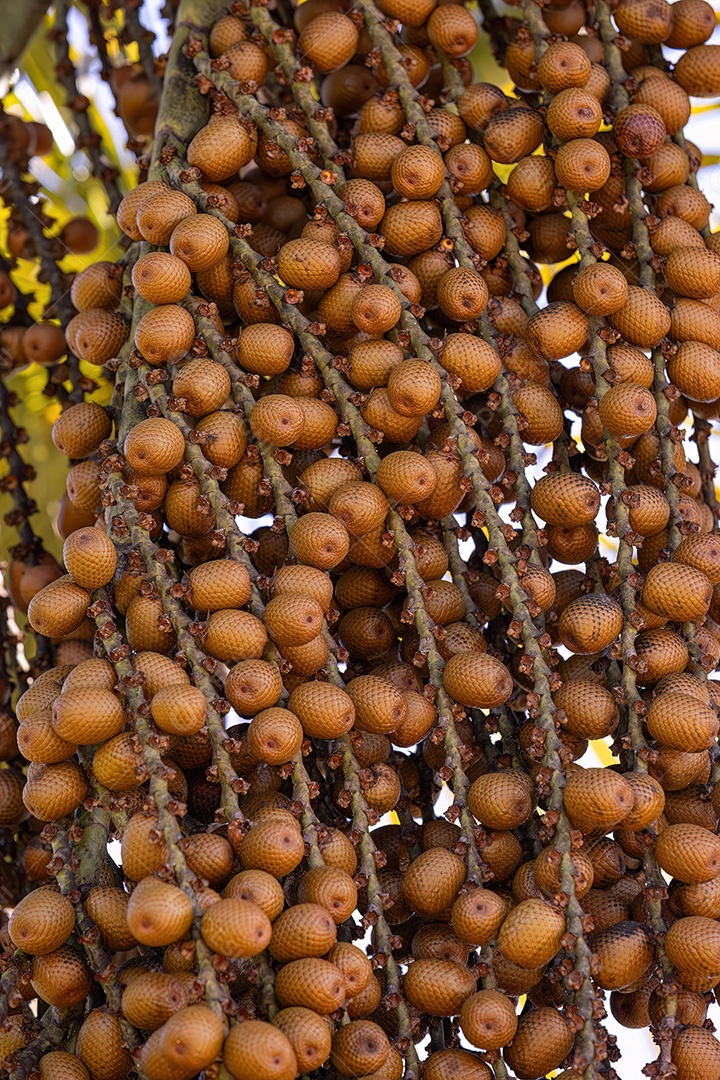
(338, 331)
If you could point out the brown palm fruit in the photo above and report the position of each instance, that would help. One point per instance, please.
(96, 335)
(644, 20)
(540, 415)
(185, 1044)
(484, 230)
(488, 1019)
(221, 583)
(626, 955)
(83, 485)
(61, 1065)
(582, 165)
(275, 736)
(257, 1050)
(179, 710)
(302, 930)
(154, 446)
(143, 849)
(462, 294)
(478, 104)
(260, 888)
(37, 741)
(161, 278)
(692, 945)
(158, 215)
(667, 166)
(692, 320)
(87, 716)
(590, 709)
(456, 1064)
(151, 998)
(531, 184)
(220, 148)
(359, 1048)
(417, 172)
(203, 386)
(542, 1040)
(332, 888)
(432, 881)
(512, 134)
(277, 419)
(477, 680)
(643, 320)
(101, 1048)
(547, 874)
(363, 200)
(253, 685)
(477, 915)
(131, 203)
(375, 309)
(264, 349)
(694, 370)
(164, 334)
(474, 361)
(681, 722)
(200, 242)
(233, 635)
(236, 928)
(308, 264)
(308, 1033)
(44, 343)
(692, 24)
(379, 413)
(438, 987)
(411, 227)
(107, 907)
(53, 791)
(695, 1051)
(328, 41)
(375, 154)
(224, 438)
(689, 853)
(311, 983)
(469, 167)
(360, 506)
(354, 965)
(557, 330)
(253, 305)
(627, 410)
(691, 1007)
(597, 799)
(693, 272)
(502, 800)
(274, 845)
(41, 922)
(97, 286)
(530, 934)
(563, 65)
(61, 978)
(461, 638)
(406, 477)
(319, 540)
(185, 509)
(574, 114)
(452, 32)
(590, 623)
(679, 592)
(380, 707)
(685, 202)
(600, 289)
(118, 765)
(143, 627)
(158, 913)
(90, 558)
(79, 430)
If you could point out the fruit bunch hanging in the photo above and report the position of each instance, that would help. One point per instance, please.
(389, 602)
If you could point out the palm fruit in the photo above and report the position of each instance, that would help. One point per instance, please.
(186, 1043)
(41, 922)
(236, 928)
(158, 913)
(308, 1034)
(541, 1042)
(60, 977)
